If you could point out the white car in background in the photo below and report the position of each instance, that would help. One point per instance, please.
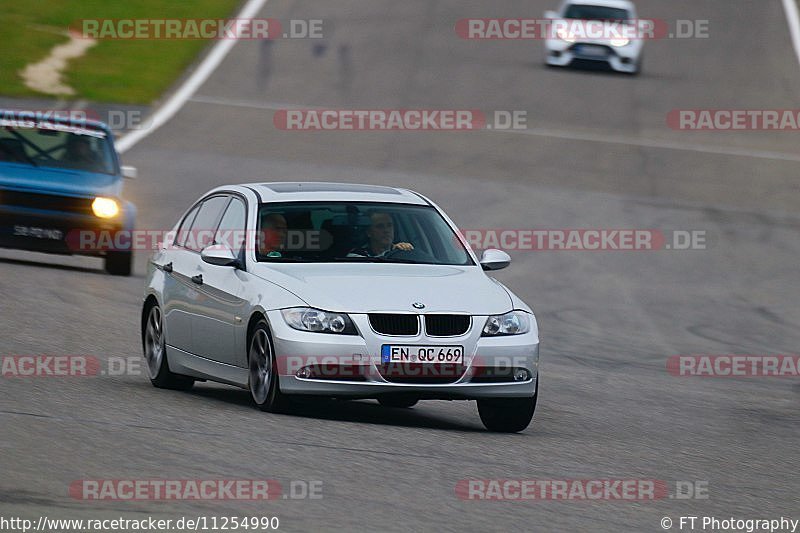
(596, 33)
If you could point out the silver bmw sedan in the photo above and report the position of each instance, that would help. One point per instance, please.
(338, 290)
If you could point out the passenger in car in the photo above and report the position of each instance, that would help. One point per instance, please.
(380, 237)
(12, 150)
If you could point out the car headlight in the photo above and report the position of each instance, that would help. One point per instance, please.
(513, 323)
(105, 207)
(318, 321)
(620, 41)
(565, 36)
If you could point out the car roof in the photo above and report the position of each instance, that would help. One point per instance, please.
(622, 4)
(310, 191)
(21, 114)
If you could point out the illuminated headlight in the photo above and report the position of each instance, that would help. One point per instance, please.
(620, 41)
(564, 35)
(318, 321)
(105, 207)
(513, 323)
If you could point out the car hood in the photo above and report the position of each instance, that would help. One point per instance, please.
(374, 287)
(58, 180)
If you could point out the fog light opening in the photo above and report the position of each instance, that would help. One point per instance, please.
(521, 374)
(304, 373)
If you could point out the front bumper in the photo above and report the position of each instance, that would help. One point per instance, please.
(53, 231)
(621, 59)
(356, 363)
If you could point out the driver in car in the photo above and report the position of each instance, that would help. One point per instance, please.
(273, 235)
(380, 237)
(79, 154)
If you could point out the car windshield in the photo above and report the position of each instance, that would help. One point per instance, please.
(589, 12)
(357, 232)
(44, 143)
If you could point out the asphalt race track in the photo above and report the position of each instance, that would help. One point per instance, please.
(598, 154)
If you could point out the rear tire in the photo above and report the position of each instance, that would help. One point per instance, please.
(119, 263)
(263, 381)
(507, 415)
(398, 402)
(155, 354)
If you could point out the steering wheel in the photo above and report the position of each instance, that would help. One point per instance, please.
(415, 255)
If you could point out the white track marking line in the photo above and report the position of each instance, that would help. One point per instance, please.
(175, 102)
(655, 143)
(793, 17)
(269, 106)
(555, 134)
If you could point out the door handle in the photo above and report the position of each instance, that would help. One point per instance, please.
(198, 279)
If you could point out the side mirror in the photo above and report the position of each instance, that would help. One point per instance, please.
(550, 15)
(493, 259)
(129, 172)
(219, 255)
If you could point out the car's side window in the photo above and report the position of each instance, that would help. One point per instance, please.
(183, 230)
(205, 223)
(231, 229)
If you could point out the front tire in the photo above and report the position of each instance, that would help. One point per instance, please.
(507, 415)
(119, 263)
(155, 354)
(263, 379)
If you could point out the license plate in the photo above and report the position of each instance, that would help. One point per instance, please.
(38, 233)
(393, 353)
(592, 51)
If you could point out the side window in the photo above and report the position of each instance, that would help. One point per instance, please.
(205, 223)
(183, 230)
(231, 229)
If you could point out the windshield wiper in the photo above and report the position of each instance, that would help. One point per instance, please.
(360, 259)
(282, 260)
(409, 261)
(376, 259)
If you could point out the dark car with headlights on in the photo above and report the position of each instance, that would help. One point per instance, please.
(61, 187)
